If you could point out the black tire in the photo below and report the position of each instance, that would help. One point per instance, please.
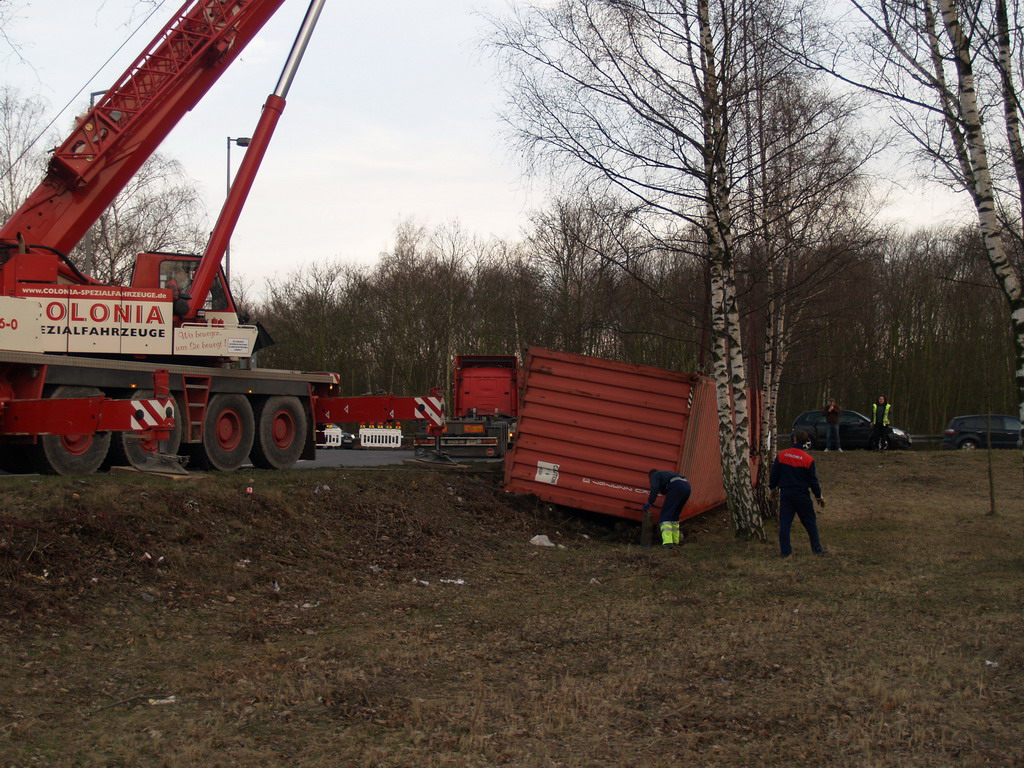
(228, 430)
(968, 444)
(71, 454)
(281, 426)
(128, 449)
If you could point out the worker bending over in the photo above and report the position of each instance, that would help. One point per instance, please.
(677, 490)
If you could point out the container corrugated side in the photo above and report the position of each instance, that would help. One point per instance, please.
(590, 429)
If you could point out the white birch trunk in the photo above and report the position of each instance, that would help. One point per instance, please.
(1011, 114)
(980, 187)
(733, 412)
(728, 363)
(769, 400)
(775, 356)
(748, 517)
(720, 371)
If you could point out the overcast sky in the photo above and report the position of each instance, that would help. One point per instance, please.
(393, 116)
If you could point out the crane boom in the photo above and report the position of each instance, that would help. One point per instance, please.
(117, 135)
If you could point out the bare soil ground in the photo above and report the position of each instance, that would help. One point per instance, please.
(401, 618)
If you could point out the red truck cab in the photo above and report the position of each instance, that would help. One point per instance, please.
(485, 402)
(486, 386)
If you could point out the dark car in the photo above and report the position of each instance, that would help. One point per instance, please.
(854, 430)
(968, 432)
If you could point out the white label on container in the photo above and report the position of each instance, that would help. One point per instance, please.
(547, 473)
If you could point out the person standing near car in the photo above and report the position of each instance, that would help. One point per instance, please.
(792, 476)
(677, 491)
(831, 412)
(879, 423)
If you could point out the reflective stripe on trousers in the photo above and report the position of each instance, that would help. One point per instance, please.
(670, 532)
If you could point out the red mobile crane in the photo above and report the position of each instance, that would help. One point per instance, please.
(80, 360)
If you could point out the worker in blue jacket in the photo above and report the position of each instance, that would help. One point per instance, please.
(677, 490)
(792, 476)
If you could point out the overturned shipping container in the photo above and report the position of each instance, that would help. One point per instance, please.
(590, 429)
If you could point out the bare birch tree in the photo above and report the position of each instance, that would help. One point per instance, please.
(804, 204)
(643, 97)
(951, 72)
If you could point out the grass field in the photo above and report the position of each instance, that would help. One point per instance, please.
(401, 618)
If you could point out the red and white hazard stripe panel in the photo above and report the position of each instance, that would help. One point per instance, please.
(150, 414)
(432, 409)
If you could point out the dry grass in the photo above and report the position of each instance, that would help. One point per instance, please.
(294, 627)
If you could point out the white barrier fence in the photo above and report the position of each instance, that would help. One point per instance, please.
(332, 438)
(374, 437)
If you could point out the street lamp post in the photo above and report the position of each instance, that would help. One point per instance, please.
(238, 142)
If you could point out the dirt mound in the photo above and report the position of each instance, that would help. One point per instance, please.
(67, 544)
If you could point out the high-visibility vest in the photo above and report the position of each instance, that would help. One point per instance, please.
(885, 413)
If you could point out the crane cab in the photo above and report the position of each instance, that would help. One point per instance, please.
(175, 271)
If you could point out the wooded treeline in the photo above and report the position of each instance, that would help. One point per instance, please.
(915, 316)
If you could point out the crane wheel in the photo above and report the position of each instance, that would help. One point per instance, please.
(227, 433)
(129, 449)
(281, 427)
(71, 454)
